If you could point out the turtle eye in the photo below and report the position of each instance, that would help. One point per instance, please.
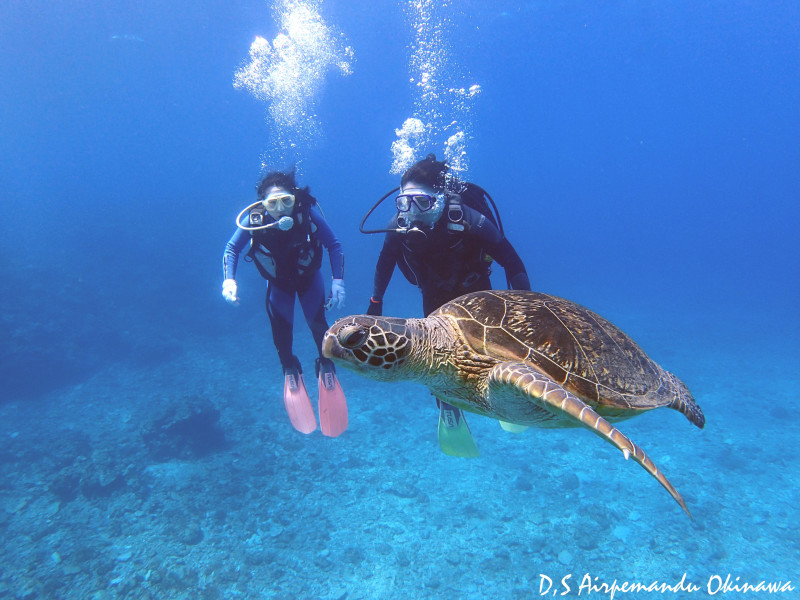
(352, 336)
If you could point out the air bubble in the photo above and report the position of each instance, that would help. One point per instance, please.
(441, 116)
(288, 76)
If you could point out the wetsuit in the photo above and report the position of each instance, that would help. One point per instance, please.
(451, 260)
(290, 261)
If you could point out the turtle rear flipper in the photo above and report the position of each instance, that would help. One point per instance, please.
(520, 379)
(685, 402)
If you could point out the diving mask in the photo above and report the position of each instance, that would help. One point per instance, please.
(423, 202)
(419, 210)
(285, 200)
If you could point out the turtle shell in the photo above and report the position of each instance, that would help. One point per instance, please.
(582, 351)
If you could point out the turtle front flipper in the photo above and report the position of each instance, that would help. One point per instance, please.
(510, 378)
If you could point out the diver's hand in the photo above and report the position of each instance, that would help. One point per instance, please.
(229, 291)
(336, 298)
(375, 308)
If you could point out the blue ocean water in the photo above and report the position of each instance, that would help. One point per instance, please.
(644, 156)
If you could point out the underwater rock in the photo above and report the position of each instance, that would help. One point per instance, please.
(211, 592)
(383, 549)
(353, 555)
(621, 532)
(191, 534)
(523, 484)
(434, 583)
(66, 485)
(404, 490)
(323, 563)
(589, 536)
(180, 577)
(570, 482)
(96, 476)
(104, 476)
(186, 429)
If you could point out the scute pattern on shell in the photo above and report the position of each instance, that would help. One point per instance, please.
(577, 348)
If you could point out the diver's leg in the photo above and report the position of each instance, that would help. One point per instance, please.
(332, 404)
(280, 308)
(455, 437)
(312, 300)
(432, 300)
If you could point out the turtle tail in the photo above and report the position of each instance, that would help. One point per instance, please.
(685, 402)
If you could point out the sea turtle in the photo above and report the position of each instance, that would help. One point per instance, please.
(523, 358)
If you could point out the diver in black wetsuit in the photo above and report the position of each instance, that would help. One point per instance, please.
(445, 247)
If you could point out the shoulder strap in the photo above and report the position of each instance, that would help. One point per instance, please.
(304, 197)
(473, 196)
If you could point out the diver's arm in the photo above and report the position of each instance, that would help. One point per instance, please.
(385, 267)
(507, 257)
(234, 247)
(330, 241)
(499, 248)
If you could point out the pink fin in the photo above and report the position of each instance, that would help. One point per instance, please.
(332, 405)
(295, 398)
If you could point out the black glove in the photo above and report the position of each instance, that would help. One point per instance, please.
(375, 308)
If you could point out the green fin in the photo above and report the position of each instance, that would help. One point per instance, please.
(512, 427)
(455, 438)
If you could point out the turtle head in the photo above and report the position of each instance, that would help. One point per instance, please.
(376, 347)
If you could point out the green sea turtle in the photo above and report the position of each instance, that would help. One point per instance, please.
(523, 358)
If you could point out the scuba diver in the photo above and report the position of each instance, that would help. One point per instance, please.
(443, 239)
(286, 232)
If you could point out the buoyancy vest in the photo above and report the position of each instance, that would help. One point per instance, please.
(289, 257)
(449, 257)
